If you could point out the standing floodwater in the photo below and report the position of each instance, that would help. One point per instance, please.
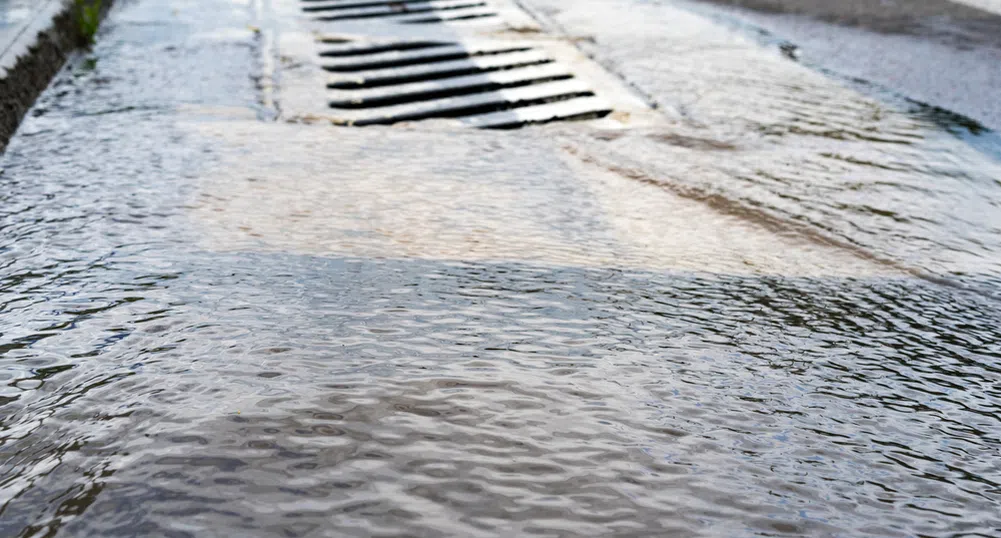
(216, 326)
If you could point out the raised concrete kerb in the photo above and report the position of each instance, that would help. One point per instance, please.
(20, 42)
(31, 53)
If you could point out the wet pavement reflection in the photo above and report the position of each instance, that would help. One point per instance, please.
(295, 394)
(232, 327)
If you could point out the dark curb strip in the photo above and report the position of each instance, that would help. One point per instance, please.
(29, 62)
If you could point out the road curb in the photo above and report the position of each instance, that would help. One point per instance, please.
(30, 60)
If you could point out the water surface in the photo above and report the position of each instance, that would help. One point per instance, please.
(211, 325)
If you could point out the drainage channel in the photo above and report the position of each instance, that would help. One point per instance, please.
(485, 78)
(498, 85)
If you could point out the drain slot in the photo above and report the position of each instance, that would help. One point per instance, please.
(454, 88)
(356, 50)
(390, 80)
(483, 103)
(398, 10)
(326, 5)
(456, 18)
(588, 108)
(418, 57)
(440, 70)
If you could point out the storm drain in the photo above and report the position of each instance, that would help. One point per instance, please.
(383, 62)
(487, 84)
(427, 12)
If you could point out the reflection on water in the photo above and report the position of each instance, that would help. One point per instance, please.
(548, 332)
(286, 395)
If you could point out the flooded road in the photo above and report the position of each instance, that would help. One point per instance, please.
(767, 320)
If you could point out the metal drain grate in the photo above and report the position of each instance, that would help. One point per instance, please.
(497, 69)
(488, 84)
(419, 12)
